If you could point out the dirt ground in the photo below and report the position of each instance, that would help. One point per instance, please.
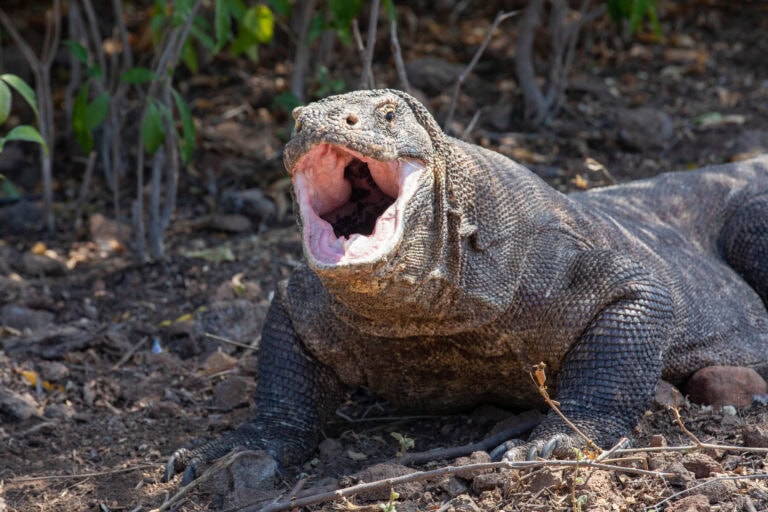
(121, 363)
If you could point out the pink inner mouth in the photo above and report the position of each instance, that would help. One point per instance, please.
(352, 206)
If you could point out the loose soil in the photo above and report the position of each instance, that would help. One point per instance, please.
(137, 374)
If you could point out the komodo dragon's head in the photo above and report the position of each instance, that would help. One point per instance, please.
(361, 165)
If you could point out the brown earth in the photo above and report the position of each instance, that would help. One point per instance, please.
(107, 365)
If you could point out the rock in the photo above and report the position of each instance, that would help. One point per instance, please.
(643, 128)
(21, 217)
(720, 491)
(755, 436)
(21, 318)
(109, 234)
(697, 503)
(164, 409)
(218, 362)
(453, 486)
(251, 202)
(230, 223)
(725, 385)
(53, 371)
(475, 458)
(491, 481)
(39, 265)
(383, 472)
(667, 395)
(545, 479)
(461, 503)
(701, 464)
(231, 392)
(63, 411)
(658, 441)
(16, 407)
(238, 320)
(240, 478)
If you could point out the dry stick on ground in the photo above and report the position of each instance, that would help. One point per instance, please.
(398, 55)
(366, 80)
(41, 68)
(501, 16)
(441, 472)
(81, 475)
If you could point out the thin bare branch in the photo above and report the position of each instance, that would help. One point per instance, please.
(366, 80)
(500, 17)
(398, 54)
(300, 64)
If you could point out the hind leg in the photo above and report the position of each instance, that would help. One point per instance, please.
(744, 242)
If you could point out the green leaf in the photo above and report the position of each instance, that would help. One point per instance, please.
(7, 188)
(342, 14)
(22, 88)
(260, 22)
(78, 50)
(137, 75)
(83, 135)
(187, 143)
(96, 111)
(152, 131)
(389, 9)
(281, 7)
(189, 56)
(5, 102)
(26, 133)
(286, 100)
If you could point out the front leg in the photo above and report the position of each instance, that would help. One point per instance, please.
(609, 375)
(295, 396)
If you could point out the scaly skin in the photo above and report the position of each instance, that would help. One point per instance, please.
(494, 271)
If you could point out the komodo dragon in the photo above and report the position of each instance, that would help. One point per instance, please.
(439, 272)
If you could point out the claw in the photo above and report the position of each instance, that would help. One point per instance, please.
(558, 445)
(178, 461)
(498, 452)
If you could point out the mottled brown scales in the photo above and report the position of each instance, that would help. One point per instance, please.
(495, 272)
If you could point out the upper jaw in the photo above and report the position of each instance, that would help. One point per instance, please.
(353, 207)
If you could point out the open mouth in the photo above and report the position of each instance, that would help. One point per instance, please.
(352, 206)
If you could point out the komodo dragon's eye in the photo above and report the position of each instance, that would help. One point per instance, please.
(390, 115)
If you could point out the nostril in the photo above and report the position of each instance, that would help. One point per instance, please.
(352, 119)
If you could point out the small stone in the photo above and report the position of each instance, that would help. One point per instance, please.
(230, 223)
(479, 457)
(218, 362)
(21, 318)
(545, 479)
(164, 409)
(720, 491)
(252, 202)
(231, 392)
(697, 503)
(15, 406)
(658, 441)
(462, 503)
(109, 235)
(725, 385)
(755, 436)
(53, 371)
(386, 471)
(54, 411)
(644, 128)
(329, 448)
(38, 265)
(453, 486)
(490, 481)
(701, 465)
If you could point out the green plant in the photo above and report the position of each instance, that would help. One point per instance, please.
(243, 28)
(391, 505)
(406, 443)
(22, 132)
(634, 13)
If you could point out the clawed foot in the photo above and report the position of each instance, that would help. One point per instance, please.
(556, 445)
(183, 460)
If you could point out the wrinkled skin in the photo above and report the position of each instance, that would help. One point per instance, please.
(465, 270)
